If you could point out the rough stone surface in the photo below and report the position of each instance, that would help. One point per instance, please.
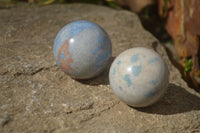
(36, 96)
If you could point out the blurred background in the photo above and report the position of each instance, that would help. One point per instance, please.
(176, 24)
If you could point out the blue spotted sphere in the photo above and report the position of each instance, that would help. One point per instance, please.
(139, 77)
(82, 49)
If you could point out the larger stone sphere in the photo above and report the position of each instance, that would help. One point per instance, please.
(82, 49)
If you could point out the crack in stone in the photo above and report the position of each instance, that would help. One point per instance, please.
(4, 120)
(30, 73)
(79, 107)
(16, 74)
(97, 114)
(109, 107)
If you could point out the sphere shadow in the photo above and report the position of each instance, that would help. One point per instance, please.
(102, 79)
(176, 100)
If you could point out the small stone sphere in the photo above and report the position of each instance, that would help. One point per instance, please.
(82, 49)
(139, 77)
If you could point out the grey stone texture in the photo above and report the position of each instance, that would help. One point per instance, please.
(36, 96)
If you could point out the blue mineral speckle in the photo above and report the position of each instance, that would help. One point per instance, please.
(67, 56)
(150, 94)
(136, 70)
(114, 71)
(101, 40)
(78, 26)
(101, 58)
(121, 89)
(134, 58)
(56, 42)
(127, 78)
(118, 63)
(97, 49)
(153, 60)
(153, 82)
(62, 55)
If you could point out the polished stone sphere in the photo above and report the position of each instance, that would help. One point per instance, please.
(82, 49)
(139, 77)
